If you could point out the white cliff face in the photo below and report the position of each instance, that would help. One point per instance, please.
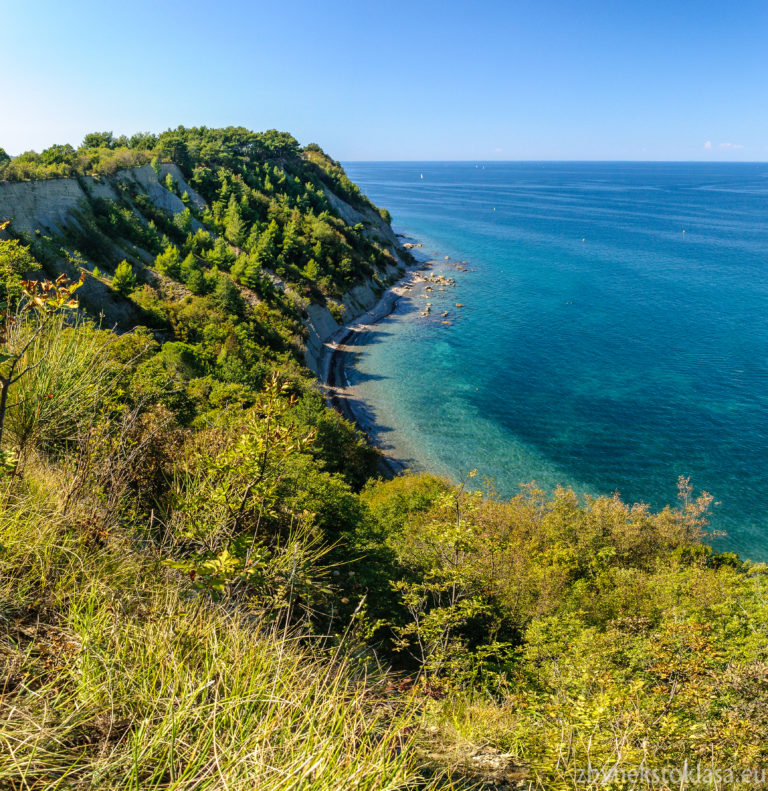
(375, 226)
(321, 325)
(155, 188)
(48, 204)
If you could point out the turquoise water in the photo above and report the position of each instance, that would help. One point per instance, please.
(599, 346)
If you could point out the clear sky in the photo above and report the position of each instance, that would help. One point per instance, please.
(489, 79)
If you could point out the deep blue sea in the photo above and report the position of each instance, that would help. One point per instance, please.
(613, 334)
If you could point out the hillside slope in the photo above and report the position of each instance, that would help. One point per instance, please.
(203, 582)
(66, 209)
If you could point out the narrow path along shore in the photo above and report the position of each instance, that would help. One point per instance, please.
(331, 364)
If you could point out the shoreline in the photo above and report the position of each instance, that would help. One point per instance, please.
(338, 393)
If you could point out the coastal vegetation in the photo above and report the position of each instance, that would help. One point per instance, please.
(206, 583)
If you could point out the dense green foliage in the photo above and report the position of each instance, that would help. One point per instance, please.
(265, 196)
(232, 276)
(15, 261)
(600, 635)
(204, 584)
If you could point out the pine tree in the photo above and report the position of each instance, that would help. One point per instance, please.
(291, 251)
(267, 247)
(124, 280)
(234, 227)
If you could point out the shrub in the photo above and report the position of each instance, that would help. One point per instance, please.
(150, 303)
(169, 262)
(69, 377)
(15, 261)
(124, 280)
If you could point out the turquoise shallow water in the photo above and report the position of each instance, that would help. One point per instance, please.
(599, 346)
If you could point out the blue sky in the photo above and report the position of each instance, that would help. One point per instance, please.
(538, 79)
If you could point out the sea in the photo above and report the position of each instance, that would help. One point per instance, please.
(612, 334)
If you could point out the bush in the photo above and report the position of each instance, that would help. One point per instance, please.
(169, 262)
(15, 262)
(124, 280)
(69, 377)
(226, 296)
(151, 305)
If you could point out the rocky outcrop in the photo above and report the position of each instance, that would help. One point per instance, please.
(147, 180)
(376, 227)
(48, 205)
(321, 325)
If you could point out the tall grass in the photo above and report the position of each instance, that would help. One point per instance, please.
(119, 677)
(68, 378)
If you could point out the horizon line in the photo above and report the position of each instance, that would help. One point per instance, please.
(568, 161)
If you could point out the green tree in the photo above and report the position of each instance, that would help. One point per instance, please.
(57, 155)
(169, 262)
(124, 280)
(234, 227)
(15, 262)
(267, 246)
(173, 145)
(291, 249)
(183, 220)
(227, 296)
(312, 270)
(99, 140)
(143, 140)
(195, 282)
